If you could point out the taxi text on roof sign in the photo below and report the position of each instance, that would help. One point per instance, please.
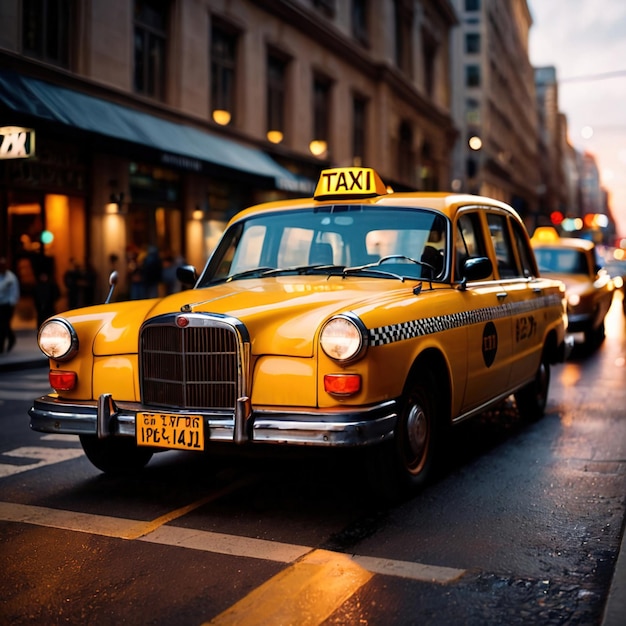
(349, 182)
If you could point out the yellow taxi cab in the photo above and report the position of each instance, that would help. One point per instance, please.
(589, 287)
(356, 318)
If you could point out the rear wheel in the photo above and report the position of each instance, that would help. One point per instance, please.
(595, 336)
(532, 399)
(115, 456)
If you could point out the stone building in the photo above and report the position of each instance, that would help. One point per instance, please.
(494, 105)
(141, 123)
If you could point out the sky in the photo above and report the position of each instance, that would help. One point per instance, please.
(586, 41)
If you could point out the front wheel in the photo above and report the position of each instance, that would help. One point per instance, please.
(532, 399)
(115, 456)
(406, 464)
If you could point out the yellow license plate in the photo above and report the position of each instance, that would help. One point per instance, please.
(167, 430)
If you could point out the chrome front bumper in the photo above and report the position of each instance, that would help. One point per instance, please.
(317, 427)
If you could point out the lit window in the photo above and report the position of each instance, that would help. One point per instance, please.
(223, 68)
(276, 93)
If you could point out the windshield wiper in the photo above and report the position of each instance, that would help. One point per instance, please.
(257, 271)
(304, 269)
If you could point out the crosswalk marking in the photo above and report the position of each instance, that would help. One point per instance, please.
(43, 456)
(218, 543)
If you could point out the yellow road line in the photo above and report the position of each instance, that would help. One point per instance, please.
(175, 514)
(306, 593)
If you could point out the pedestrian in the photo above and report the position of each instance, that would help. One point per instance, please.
(46, 293)
(152, 272)
(71, 280)
(133, 271)
(9, 295)
(170, 265)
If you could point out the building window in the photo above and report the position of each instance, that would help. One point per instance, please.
(472, 112)
(151, 19)
(276, 93)
(406, 165)
(472, 76)
(472, 5)
(429, 55)
(403, 30)
(223, 73)
(359, 121)
(360, 21)
(321, 116)
(472, 43)
(327, 7)
(428, 169)
(47, 30)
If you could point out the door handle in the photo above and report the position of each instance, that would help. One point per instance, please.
(501, 295)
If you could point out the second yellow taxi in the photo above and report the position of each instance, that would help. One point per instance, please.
(589, 287)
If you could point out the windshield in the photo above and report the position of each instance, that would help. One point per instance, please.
(405, 242)
(562, 260)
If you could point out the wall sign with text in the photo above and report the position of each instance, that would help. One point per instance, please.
(16, 142)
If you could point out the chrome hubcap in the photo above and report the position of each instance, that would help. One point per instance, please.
(417, 433)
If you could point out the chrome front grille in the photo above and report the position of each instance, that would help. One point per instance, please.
(190, 367)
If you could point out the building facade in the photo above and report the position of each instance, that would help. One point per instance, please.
(553, 196)
(494, 106)
(131, 125)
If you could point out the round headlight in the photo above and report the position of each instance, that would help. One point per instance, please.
(57, 340)
(343, 338)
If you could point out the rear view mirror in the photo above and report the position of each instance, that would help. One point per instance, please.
(187, 275)
(477, 268)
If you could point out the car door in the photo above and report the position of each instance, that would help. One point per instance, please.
(489, 330)
(526, 295)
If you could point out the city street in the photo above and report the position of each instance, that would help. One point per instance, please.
(524, 526)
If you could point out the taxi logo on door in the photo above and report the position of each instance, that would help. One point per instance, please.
(490, 343)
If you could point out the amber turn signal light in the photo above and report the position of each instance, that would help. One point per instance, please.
(342, 384)
(62, 380)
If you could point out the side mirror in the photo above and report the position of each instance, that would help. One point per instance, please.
(113, 278)
(187, 275)
(477, 268)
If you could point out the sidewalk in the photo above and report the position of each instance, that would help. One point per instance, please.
(25, 354)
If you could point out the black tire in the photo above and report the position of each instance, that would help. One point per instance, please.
(532, 399)
(406, 464)
(595, 337)
(115, 456)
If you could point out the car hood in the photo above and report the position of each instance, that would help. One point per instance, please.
(282, 316)
(580, 283)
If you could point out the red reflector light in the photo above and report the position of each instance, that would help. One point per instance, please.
(342, 384)
(62, 380)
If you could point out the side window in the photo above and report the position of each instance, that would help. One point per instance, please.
(501, 239)
(526, 257)
(468, 242)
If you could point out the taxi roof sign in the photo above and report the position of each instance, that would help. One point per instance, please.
(349, 182)
(545, 234)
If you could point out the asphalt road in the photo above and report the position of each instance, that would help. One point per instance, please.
(523, 527)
